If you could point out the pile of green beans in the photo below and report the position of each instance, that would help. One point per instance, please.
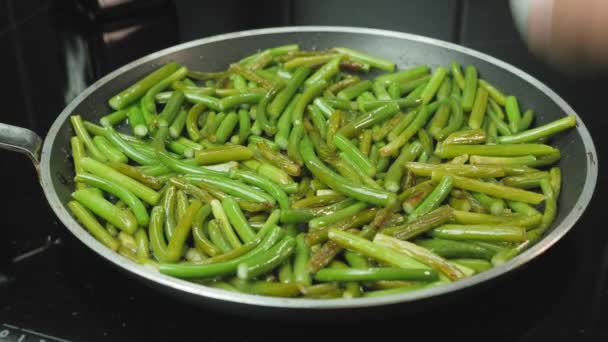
(292, 174)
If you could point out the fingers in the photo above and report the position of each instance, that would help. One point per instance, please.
(568, 32)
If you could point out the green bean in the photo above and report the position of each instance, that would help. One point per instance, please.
(309, 61)
(265, 288)
(374, 274)
(113, 118)
(125, 220)
(415, 195)
(451, 151)
(244, 125)
(457, 74)
(148, 99)
(369, 119)
(501, 126)
(138, 89)
(106, 148)
(128, 149)
(285, 121)
(230, 102)
(455, 249)
(421, 118)
(209, 125)
(478, 110)
(142, 243)
(92, 225)
(354, 90)
(380, 91)
(394, 90)
(365, 142)
(315, 201)
(491, 189)
(414, 88)
(371, 104)
(177, 125)
(209, 101)
(222, 155)
(137, 121)
(106, 172)
(373, 250)
(226, 127)
(84, 136)
(285, 273)
(555, 176)
(266, 260)
(263, 183)
(337, 86)
(388, 125)
(275, 174)
(77, 154)
(351, 150)
(212, 128)
(470, 88)
(392, 180)
(550, 205)
(217, 237)
(157, 237)
(493, 205)
(471, 171)
(279, 160)
(494, 93)
(325, 72)
(307, 97)
(540, 132)
(478, 265)
(250, 75)
(341, 214)
(181, 204)
(462, 217)
(318, 120)
(526, 120)
(198, 235)
(169, 202)
(421, 224)
(120, 192)
(280, 101)
(421, 254)
(404, 75)
(426, 141)
(480, 232)
(513, 113)
(341, 184)
(456, 119)
(433, 86)
(224, 223)
(377, 62)
(525, 181)
(237, 219)
(363, 217)
(181, 232)
(221, 285)
(435, 198)
(301, 271)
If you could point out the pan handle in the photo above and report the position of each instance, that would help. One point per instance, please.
(21, 140)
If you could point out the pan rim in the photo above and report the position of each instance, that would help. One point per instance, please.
(294, 303)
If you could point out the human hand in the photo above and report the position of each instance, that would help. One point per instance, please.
(566, 32)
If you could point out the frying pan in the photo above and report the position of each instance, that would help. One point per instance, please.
(51, 158)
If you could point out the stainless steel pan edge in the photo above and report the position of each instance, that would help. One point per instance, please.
(192, 290)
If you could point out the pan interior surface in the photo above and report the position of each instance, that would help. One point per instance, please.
(578, 160)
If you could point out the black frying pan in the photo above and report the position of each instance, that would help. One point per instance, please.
(578, 163)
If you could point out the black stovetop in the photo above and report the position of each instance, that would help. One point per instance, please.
(51, 285)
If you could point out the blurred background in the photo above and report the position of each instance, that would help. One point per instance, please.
(52, 50)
